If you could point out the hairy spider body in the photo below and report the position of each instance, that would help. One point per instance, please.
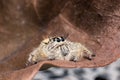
(59, 48)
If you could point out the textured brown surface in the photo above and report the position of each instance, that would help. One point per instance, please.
(23, 24)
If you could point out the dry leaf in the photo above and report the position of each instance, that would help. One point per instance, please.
(23, 24)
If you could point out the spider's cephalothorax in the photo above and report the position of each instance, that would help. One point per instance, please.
(59, 48)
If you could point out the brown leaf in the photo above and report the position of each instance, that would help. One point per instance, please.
(23, 24)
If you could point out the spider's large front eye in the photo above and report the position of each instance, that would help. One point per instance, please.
(58, 40)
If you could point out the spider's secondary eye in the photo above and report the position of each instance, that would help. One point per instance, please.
(45, 43)
(54, 39)
(62, 39)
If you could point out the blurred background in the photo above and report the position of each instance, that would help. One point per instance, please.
(110, 72)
